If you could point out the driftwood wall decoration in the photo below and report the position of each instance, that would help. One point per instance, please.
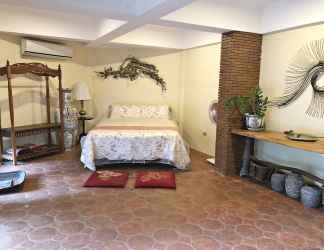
(306, 69)
(132, 68)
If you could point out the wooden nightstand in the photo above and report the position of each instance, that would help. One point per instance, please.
(83, 119)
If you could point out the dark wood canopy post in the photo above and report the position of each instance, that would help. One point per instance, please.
(12, 115)
(48, 109)
(13, 132)
(61, 108)
(1, 142)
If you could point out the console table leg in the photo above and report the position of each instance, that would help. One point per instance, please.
(245, 164)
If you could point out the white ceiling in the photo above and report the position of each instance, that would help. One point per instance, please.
(167, 37)
(102, 8)
(175, 24)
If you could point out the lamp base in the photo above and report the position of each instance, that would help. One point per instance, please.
(82, 112)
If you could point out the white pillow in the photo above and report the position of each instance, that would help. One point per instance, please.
(140, 111)
(156, 111)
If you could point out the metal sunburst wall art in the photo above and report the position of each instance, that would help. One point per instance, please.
(132, 68)
(306, 69)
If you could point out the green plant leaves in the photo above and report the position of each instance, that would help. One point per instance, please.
(255, 103)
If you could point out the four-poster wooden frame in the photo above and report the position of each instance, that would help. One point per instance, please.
(41, 70)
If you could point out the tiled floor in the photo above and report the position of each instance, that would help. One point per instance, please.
(206, 211)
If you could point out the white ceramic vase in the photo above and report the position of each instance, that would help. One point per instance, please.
(254, 122)
(70, 114)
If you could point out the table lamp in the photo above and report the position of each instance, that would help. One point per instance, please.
(81, 93)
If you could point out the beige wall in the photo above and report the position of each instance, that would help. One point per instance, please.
(142, 91)
(200, 87)
(191, 76)
(192, 82)
(277, 51)
(26, 100)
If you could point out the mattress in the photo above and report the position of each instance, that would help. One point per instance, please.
(135, 140)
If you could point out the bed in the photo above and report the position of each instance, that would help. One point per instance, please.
(135, 134)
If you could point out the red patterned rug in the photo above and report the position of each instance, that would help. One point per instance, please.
(155, 179)
(107, 178)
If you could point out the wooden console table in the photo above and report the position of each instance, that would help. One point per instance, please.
(276, 138)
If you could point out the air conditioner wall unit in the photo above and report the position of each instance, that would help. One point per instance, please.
(45, 49)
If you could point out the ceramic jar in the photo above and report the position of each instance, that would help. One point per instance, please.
(293, 185)
(278, 182)
(311, 196)
(70, 114)
(254, 122)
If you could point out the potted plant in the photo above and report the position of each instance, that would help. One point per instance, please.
(252, 107)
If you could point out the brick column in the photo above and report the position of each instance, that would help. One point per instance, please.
(239, 73)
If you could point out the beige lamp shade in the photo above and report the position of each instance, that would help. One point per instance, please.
(80, 92)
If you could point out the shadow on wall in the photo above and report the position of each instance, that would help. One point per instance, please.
(10, 38)
(104, 56)
(28, 92)
(29, 76)
(187, 136)
(21, 99)
(78, 52)
(93, 56)
(27, 97)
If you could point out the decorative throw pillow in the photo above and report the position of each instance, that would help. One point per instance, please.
(156, 111)
(140, 111)
(107, 178)
(155, 179)
(126, 111)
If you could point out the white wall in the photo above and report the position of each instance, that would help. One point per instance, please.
(277, 51)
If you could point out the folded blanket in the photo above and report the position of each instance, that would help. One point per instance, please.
(26, 148)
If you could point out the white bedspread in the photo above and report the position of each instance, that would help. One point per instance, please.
(129, 139)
